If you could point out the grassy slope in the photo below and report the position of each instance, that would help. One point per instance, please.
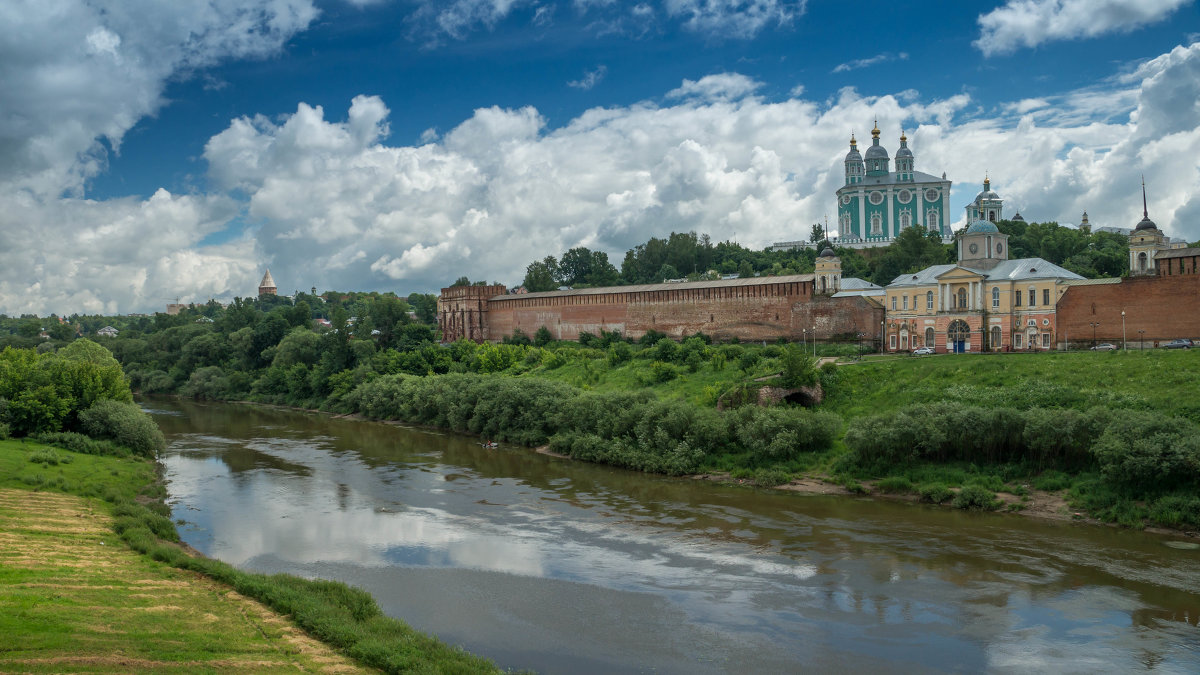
(1151, 380)
(85, 602)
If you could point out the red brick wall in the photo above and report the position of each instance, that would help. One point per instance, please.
(748, 312)
(1165, 307)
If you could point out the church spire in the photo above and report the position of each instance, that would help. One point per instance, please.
(1145, 213)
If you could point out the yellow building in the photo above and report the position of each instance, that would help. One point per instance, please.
(984, 302)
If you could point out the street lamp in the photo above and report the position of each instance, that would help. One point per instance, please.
(1123, 344)
(804, 339)
(881, 337)
(1094, 324)
(814, 342)
(1142, 339)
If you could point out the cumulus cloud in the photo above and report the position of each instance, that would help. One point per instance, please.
(863, 63)
(1029, 23)
(75, 76)
(502, 188)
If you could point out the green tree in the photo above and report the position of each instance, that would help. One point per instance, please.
(541, 275)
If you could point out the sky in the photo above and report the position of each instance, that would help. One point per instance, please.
(153, 151)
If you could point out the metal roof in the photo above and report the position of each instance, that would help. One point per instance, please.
(1092, 282)
(683, 285)
(856, 284)
(1021, 269)
(893, 178)
(1177, 253)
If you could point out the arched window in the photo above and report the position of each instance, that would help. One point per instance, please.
(845, 228)
(995, 297)
(962, 299)
(931, 219)
(996, 338)
(876, 223)
(929, 301)
(929, 339)
(1142, 261)
(906, 220)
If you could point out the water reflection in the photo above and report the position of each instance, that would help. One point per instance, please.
(562, 566)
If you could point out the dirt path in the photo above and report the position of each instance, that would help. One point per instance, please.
(75, 598)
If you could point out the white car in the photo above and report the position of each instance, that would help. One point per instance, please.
(1104, 347)
(922, 351)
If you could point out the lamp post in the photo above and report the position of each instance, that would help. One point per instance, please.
(804, 339)
(882, 337)
(1094, 324)
(1142, 339)
(1124, 346)
(814, 342)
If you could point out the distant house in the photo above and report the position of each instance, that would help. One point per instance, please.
(204, 319)
(322, 323)
(107, 331)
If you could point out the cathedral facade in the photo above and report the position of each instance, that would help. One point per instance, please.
(876, 203)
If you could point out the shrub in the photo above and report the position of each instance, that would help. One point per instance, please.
(975, 498)
(799, 367)
(935, 493)
(45, 457)
(895, 485)
(542, 337)
(1149, 453)
(650, 337)
(662, 372)
(771, 477)
(1052, 481)
(749, 359)
(69, 440)
(777, 434)
(125, 424)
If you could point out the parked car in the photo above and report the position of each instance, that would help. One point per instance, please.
(1181, 343)
(922, 351)
(1104, 347)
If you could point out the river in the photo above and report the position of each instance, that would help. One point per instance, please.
(565, 567)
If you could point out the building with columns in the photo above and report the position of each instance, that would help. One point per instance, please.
(876, 203)
(984, 302)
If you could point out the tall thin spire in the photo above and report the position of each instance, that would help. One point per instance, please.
(1145, 213)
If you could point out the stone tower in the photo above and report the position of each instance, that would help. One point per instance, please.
(1145, 241)
(267, 285)
(828, 272)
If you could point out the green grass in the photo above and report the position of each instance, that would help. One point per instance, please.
(75, 595)
(1150, 380)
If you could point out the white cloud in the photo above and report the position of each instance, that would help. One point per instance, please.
(733, 18)
(75, 76)
(1029, 23)
(863, 63)
(590, 79)
(719, 86)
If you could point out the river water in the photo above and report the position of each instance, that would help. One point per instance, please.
(565, 567)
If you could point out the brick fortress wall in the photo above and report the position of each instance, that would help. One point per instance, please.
(753, 309)
(1166, 307)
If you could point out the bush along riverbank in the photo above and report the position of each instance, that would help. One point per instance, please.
(1107, 450)
(75, 430)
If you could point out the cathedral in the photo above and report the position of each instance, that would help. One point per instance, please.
(876, 203)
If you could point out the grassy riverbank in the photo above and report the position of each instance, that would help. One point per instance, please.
(93, 580)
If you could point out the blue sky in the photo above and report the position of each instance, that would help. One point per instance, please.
(151, 151)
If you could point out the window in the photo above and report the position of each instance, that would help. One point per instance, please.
(929, 300)
(876, 198)
(903, 340)
(916, 301)
(995, 296)
(1017, 340)
(904, 196)
(906, 302)
(962, 298)
(892, 341)
(893, 303)
(876, 223)
(1017, 297)
(931, 220)
(996, 338)
(1032, 297)
(929, 337)
(1046, 340)
(1045, 296)
(906, 221)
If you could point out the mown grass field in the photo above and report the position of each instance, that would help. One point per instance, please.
(84, 591)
